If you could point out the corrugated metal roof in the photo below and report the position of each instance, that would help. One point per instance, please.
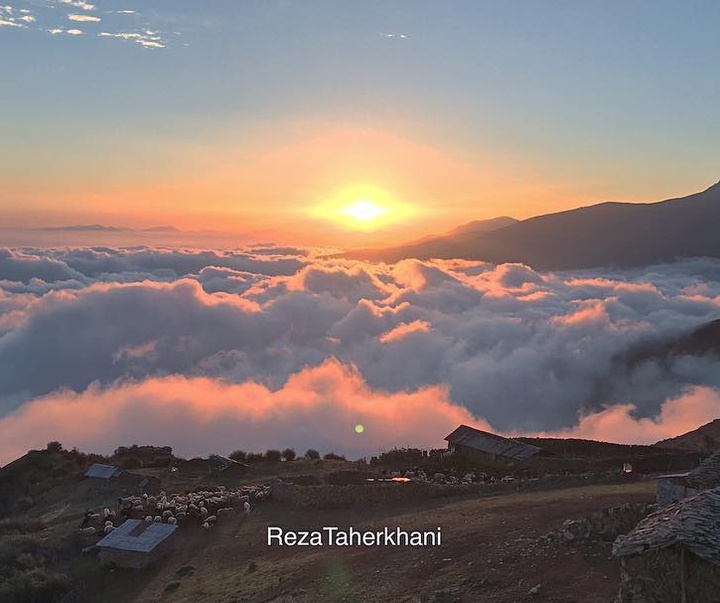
(103, 471)
(137, 535)
(491, 443)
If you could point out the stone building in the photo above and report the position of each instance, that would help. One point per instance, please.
(673, 554)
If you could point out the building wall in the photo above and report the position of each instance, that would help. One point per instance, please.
(655, 576)
(135, 559)
(671, 490)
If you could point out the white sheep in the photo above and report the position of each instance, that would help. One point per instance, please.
(206, 525)
(148, 518)
(211, 519)
(108, 529)
(90, 530)
(106, 512)
(172, 520)
(157, 519)
(246, 507)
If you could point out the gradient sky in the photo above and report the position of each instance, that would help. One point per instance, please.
(245, 115)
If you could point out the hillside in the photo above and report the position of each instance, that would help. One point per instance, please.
(608, 234)
(703, 439)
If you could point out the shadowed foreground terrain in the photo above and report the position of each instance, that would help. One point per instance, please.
(492, 548)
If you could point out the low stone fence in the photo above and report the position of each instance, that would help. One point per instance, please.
(605, 525)
(379, 493)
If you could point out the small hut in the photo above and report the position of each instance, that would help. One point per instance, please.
(136, 544)
(674, 553)
(101, 475)
(488, 449)
(677, 486)
(673, 487)
(140, 484)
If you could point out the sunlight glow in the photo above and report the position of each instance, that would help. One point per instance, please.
(363, 208)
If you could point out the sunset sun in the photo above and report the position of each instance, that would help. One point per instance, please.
(363, 208)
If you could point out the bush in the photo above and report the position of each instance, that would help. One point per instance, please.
(273, 455)
(54, 446)
(35, 585)
(331, 456)
(289, 454)
(239, 455)
(312, 454)
(254, 457)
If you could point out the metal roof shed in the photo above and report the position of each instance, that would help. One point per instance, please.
(136, 543)
(102, 474)
(488, 446)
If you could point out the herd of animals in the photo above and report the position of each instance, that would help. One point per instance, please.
(202, 508)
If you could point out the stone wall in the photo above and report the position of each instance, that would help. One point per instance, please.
(656, 576)
(606, 525)
(378, 493)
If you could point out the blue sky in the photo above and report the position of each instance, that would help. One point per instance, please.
(593, 101)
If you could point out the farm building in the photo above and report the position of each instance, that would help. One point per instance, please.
(673, 487)
(140, 484)
(136, 544)
(674, 553)
(102, 475)
(485, 448)
(682, 485)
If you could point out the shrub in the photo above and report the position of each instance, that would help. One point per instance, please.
(254, 457)
(273, 455)
(54, 446)
(312, 454)
(289, 454)
(37, 584)
(331, 456)
(239, 455)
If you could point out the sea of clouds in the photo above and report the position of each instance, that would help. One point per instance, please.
(269, 347)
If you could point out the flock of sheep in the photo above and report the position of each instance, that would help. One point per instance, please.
(201, 508)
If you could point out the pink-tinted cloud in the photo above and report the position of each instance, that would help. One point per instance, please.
(405, 329)
(317, 407)
(679, 415)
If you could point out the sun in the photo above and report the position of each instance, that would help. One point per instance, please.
(364, 208)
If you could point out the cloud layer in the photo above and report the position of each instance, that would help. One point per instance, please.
(106, 334)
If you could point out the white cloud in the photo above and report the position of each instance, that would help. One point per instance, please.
(522, 350)
(78, 4)
(84, 18)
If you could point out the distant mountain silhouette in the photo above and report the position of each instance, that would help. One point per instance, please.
(604, 235)
(86, 228)
(161, 229)
(702, 341)
(476, 226)
(105, 228)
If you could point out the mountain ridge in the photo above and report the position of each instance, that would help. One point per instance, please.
(609, 234)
